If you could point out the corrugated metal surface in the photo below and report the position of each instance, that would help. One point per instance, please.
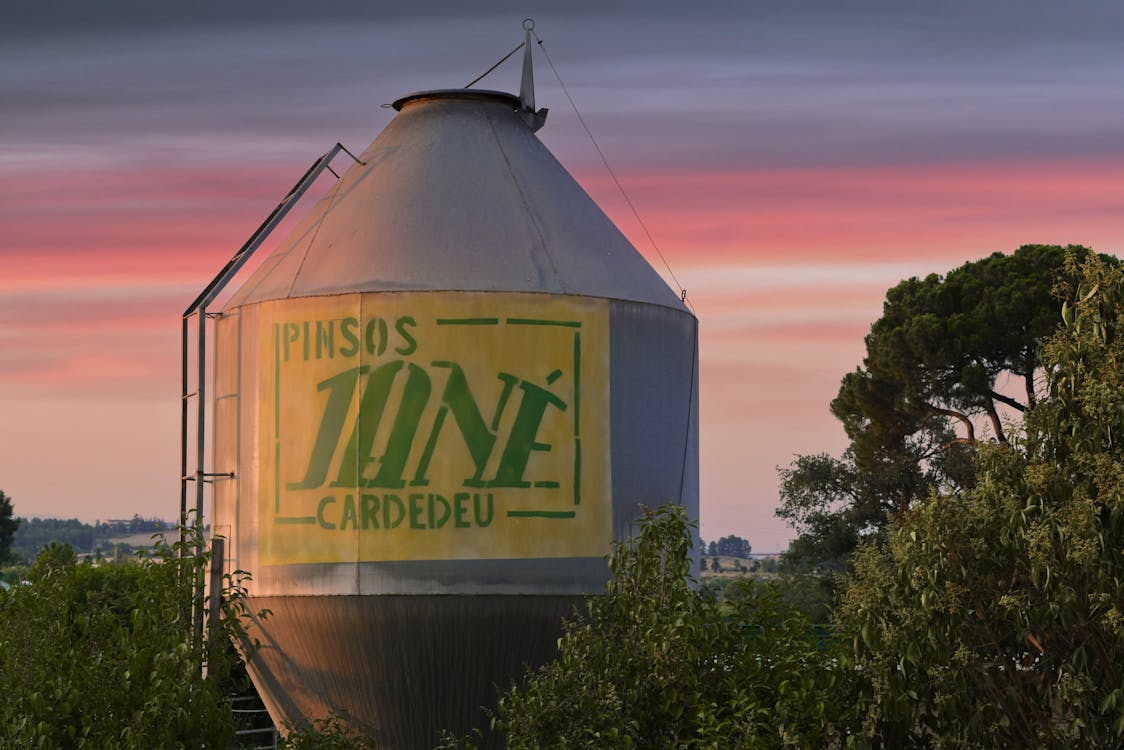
(422, 664)
(654, 401)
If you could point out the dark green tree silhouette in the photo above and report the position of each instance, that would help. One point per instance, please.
(8, 526)
(733, 546)
(951, 363)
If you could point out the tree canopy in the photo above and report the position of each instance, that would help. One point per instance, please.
(8, 526)
(729, 546)
(33, 534)
(953, 361)
(996, 618)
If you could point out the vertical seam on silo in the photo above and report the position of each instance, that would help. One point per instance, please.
(690, 408)
(315, 233)
(527, 208)
(235, 540)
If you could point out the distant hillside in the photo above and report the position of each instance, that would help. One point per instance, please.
(36, 533)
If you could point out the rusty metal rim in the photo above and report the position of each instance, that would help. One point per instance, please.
(471, 94)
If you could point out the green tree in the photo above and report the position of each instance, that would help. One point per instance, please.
(997, 618)
(8, 526)
(953, 360)
(657, 663)
(733, 546)
(104, 656)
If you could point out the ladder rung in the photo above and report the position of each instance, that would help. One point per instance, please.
(186, 396)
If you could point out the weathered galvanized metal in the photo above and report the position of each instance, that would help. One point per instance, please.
(442, 396)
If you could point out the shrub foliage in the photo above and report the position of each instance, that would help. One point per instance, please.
(105, 656)
(995, 619)
(656, 663)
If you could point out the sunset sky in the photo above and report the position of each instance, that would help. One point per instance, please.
(792, 160)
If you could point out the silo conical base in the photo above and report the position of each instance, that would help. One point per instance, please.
(401, 669)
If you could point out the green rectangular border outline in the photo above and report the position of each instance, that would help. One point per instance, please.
(276, 420)
(539, 322)
(577, 418)
(541, 513)
(285, 520)
(468, 321)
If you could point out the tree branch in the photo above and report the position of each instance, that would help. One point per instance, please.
(1007, 400)
(968, 426)
(958, 441)
(1028, 376)
(996, 424)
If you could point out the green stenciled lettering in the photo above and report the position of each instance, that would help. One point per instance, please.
(371, 407)
(416, 511)
(292, 333)
(375, 347)
(325, 339)
(401, 440)
(477, 437)
(349, 330)
(460, 505)
(521, 441)
(349, 514)
(324, 503)
(481, 519)
(409, 345)
(340, 389)
(305, 341)
(436, 500)
(509, 382)
(370, 512)
(388, 501)
(419, 479)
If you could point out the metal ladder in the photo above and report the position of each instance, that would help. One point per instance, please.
(196, 387)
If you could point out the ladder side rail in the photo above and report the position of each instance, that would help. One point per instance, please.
(198, 310)
(212, 290)
(219, 282)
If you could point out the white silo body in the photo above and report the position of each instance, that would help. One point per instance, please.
(442, 397)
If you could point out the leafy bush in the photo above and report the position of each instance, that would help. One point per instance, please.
(105, 656)
(656, 663)
(333, 733)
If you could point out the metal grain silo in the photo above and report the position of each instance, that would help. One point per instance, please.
(440, 398)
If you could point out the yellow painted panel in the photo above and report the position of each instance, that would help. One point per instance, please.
(434, 426)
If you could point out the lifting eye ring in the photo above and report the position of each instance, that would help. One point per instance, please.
(528, 24)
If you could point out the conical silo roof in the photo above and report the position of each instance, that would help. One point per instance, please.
(457, 193)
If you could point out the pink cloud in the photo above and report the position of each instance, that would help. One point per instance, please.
(871, 213)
